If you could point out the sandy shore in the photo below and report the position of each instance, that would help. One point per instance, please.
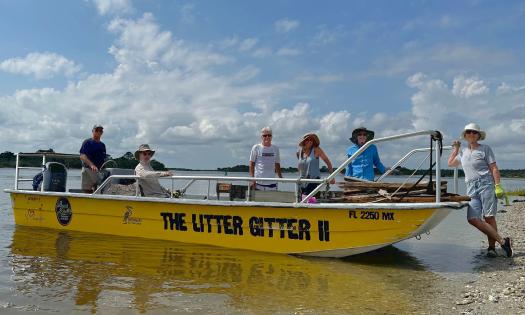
(499, 283)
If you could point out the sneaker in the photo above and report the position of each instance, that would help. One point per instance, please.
(507, 246)
(491, 252)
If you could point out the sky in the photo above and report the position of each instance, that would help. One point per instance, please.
(197, 80)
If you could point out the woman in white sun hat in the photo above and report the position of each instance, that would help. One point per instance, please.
(483, 185)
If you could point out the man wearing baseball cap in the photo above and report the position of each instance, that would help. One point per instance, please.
(92, 155)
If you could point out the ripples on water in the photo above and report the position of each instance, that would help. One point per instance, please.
(44, 270)
(90, 272)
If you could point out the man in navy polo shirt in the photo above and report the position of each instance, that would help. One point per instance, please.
(93, 155)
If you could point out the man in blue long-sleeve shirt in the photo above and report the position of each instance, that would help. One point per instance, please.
(363, 165)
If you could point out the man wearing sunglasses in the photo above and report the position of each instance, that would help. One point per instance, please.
(92, 155)
(148, 181)
(265, 161)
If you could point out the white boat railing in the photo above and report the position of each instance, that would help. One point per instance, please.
(44, 156)
(296, 181)
(410, 154)
(434, 133)
(193, 178)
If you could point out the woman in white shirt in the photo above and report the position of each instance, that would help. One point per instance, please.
(483, 185)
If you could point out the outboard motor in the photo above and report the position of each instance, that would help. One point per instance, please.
(54, 177)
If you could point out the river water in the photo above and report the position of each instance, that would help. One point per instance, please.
(47, 271)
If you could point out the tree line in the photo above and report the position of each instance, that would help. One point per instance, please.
(8, 159)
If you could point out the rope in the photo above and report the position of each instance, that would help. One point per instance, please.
(403, 184)
(435, 137)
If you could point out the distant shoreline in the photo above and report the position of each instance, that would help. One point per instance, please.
(293, 170)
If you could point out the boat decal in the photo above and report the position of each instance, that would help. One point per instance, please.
(31, 214)
(324, 230)
(63, 211)
(371, 215)
(128, 217)
(269, 227)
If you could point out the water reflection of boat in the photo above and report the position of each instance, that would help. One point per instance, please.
(324, 229)
(98, 272)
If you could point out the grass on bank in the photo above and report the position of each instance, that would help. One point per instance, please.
(517, 192)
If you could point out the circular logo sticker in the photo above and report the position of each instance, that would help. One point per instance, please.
(63, 210)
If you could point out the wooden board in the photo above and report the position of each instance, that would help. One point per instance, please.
(408, 199)
(387, 186)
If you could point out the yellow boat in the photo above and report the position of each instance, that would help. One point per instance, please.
(321, 229)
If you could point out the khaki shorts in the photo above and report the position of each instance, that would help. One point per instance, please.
(89, 179)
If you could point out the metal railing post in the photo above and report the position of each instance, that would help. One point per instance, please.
(296, 192)
(438, 172)
(172, 186)
(16, 171)
(43, 177)
(456, 174)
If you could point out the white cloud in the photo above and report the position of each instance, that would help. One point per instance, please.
(328, 35)
(143, 44)
(446, 57)
(187, 12)
(468, 87)
(262, 52)
(228, 42)
(286, 25)
(447, 21)
(247, 44)
(234, 42)
(321, 78)
(287, 51)
(425, 22)
(435, 105)
(40, 65)
(108, 7)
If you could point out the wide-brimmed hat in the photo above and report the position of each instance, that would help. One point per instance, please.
(475, 127)
(312, 136)
(143, 148)
(369, 134)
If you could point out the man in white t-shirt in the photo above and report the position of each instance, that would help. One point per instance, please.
(265, 161)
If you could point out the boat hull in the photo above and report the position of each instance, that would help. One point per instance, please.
(332, 231)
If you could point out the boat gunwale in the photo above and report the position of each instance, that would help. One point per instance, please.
(209, 202)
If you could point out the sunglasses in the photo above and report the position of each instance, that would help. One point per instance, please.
(472, 132)
(99, 130)
(147, 153)
(266, 136)
(362, 134)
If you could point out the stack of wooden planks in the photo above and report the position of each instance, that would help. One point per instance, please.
(362, 191)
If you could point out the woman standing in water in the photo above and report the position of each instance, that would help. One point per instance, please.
(483, 186)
